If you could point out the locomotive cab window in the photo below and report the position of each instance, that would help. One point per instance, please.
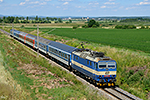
(76, 57)
(111, 64)
(102, 65)
(88, 62)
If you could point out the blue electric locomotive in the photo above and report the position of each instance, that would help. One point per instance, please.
(93, 65)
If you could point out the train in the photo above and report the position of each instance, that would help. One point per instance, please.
(92, 65)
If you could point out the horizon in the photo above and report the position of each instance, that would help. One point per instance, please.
(76, 8)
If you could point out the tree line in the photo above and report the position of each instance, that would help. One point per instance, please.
(140, 19)
(11, 19)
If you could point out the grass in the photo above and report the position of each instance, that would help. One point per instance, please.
(133, 69)
(37, 77)
(131, 39)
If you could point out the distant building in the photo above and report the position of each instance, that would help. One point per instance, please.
(88, 19)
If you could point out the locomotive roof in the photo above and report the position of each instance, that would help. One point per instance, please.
(91, 55)
(61, 46)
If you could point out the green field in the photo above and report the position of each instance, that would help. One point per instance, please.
(131, 39)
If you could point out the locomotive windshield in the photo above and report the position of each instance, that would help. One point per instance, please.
(111, 64)
(102, 65)
(106, 65)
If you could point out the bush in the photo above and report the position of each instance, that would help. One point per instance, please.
(125, 27)
(22, 26)
(67, 22)
(75, 27)
(134, 78)
(142, 27)
(84, 26)
(56, 21)
(94, 26)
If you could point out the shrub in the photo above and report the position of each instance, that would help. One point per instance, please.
(84, 26)
(75, 27)
(133, 79)
(94, 26)
(67, 22)
(142, 27)
(56, 21)
(22, 26)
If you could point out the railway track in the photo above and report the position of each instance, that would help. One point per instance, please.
(111, 93)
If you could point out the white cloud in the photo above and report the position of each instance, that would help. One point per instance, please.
(130, 8)
(48, 0)
(65, 0)
(26, 0)
(93, 3)
(43, 3)
(22, 3)
(144, 3)
(58, 7)
(103, 6)
(65, 3)
(1, 0)
(78, 6)
(109, 3)
(36, 2)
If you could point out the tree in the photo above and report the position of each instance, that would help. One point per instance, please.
(16, 20)
(55, 18)
(27, 18)
(70, 21)
(47, 18)
(40, 19)
(59, 20)
(93, 22)
(36, 18)
(4, 19)
(1, 20)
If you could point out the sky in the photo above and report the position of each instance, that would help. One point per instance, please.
(91, 8)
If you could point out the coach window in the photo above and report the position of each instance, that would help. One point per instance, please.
(56, 52)
(61, 54)
(74, 56)
(68, 56)
(65, 56)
